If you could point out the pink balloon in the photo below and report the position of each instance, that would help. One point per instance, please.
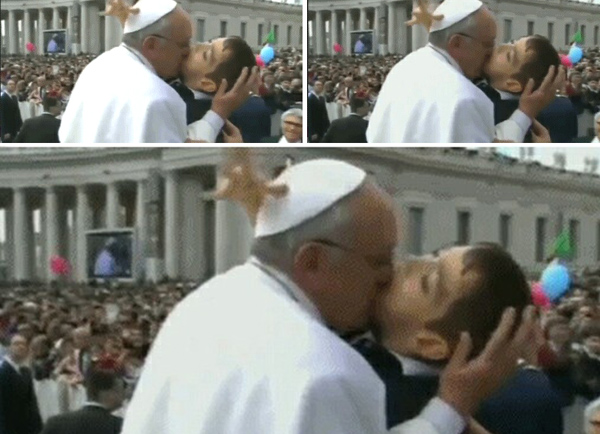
(566, 62)
(539, 297)
(259, 61)
(337, 48)
(59, 266)
(30, 47)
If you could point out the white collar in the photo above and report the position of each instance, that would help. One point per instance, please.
(313, 92)
(506, 95)
(292, 290)
(93, 404)
(356, 114)
(284, 140)
(12, 363)
(446, 56)
(140, 56)
(413, 367)
(200, 95)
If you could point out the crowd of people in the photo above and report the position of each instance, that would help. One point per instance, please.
(334, 81)
(97, 337)
(36, 86)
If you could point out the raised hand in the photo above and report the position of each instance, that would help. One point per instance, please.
(226, 102)
(120, 9)
(533, 102)
(421, 15)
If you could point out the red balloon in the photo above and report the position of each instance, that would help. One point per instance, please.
(337, 48)
(539, 297)
(30, 47)
(259, 61)
(59, 266)
(566, 62)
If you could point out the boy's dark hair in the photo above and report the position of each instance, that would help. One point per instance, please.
(98, 380)
(543, 56)
(492, 281)
(239, 56)
(49, 102)
(357, 103)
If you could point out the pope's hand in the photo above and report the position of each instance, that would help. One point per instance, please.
(231, 133)
(533, 102)
(465, 383)
(225, 103)
(539, 133)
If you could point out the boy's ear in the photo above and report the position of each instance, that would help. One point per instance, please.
(513, 86)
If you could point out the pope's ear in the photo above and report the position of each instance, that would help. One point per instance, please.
(431, 346)
(513, 86)
(307, 258)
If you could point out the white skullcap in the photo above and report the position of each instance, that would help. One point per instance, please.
(453, 12)
(150, 12)
(313, 187)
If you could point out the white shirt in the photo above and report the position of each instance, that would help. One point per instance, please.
(248, 353)
(596, 140)
(427, 99)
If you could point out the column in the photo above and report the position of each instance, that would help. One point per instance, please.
(141, 224)
(392, 20)
(154, 263)
(52, 229)
(41, 28)
(313, 25)
(348, 42)
(112, 205)
(233, 235)
(21, 238)
(93, 35)
(320, 34)
(70, 41)
(85, 27)
(13, 36)
(83, 222)
(55, 18)
(172, 232)
(376, 43)
(363, 19)
(419, 34)
(112, 33)
(333, 29)
(26, 29)
(10, 241)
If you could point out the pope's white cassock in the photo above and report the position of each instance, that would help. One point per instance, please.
(427, 99)
(119, 98)
(247, 353)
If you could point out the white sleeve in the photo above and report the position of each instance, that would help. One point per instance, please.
(514, 128)
(162, 125)
(206, 129)
(437, 417)
(471, 122)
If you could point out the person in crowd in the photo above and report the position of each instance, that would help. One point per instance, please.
(353, 128)
(291, 125)
(586, 363)
(146, 109)
(318, 120)
(597, 128)
(313, 276)
(10, 114)
(592, 418)
(105, 394)
(19, 412)
(43, 128)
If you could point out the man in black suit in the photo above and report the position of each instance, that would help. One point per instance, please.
(42, 128)
(352, 128)
(206, 67)
(318, 119)
(507, 73)
(10, 115)
(418, 321)
(105, 392)
(253, 119)
(19, 412)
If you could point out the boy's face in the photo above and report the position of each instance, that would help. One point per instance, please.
(202, 61)
(506, 61)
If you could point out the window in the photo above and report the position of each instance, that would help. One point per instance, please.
(596, 39)
(200, 30)
(464, 228)
(582, 29)
(260, 34)
(289, 35)
(574, 237)
(507, 31)
(540, 239)
(415, 231)
(223, 29)
(276, 33)
(567, 34)
(243, 30)
(530, 28)
(551, 32)
(505, 229)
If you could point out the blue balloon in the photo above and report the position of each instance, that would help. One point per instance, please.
(555, 281)
(267, 54)
(575, 54)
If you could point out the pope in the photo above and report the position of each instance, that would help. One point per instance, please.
(122, 96)
(258, 349)
(430, 97)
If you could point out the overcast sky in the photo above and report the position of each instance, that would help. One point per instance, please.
(575, 156)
